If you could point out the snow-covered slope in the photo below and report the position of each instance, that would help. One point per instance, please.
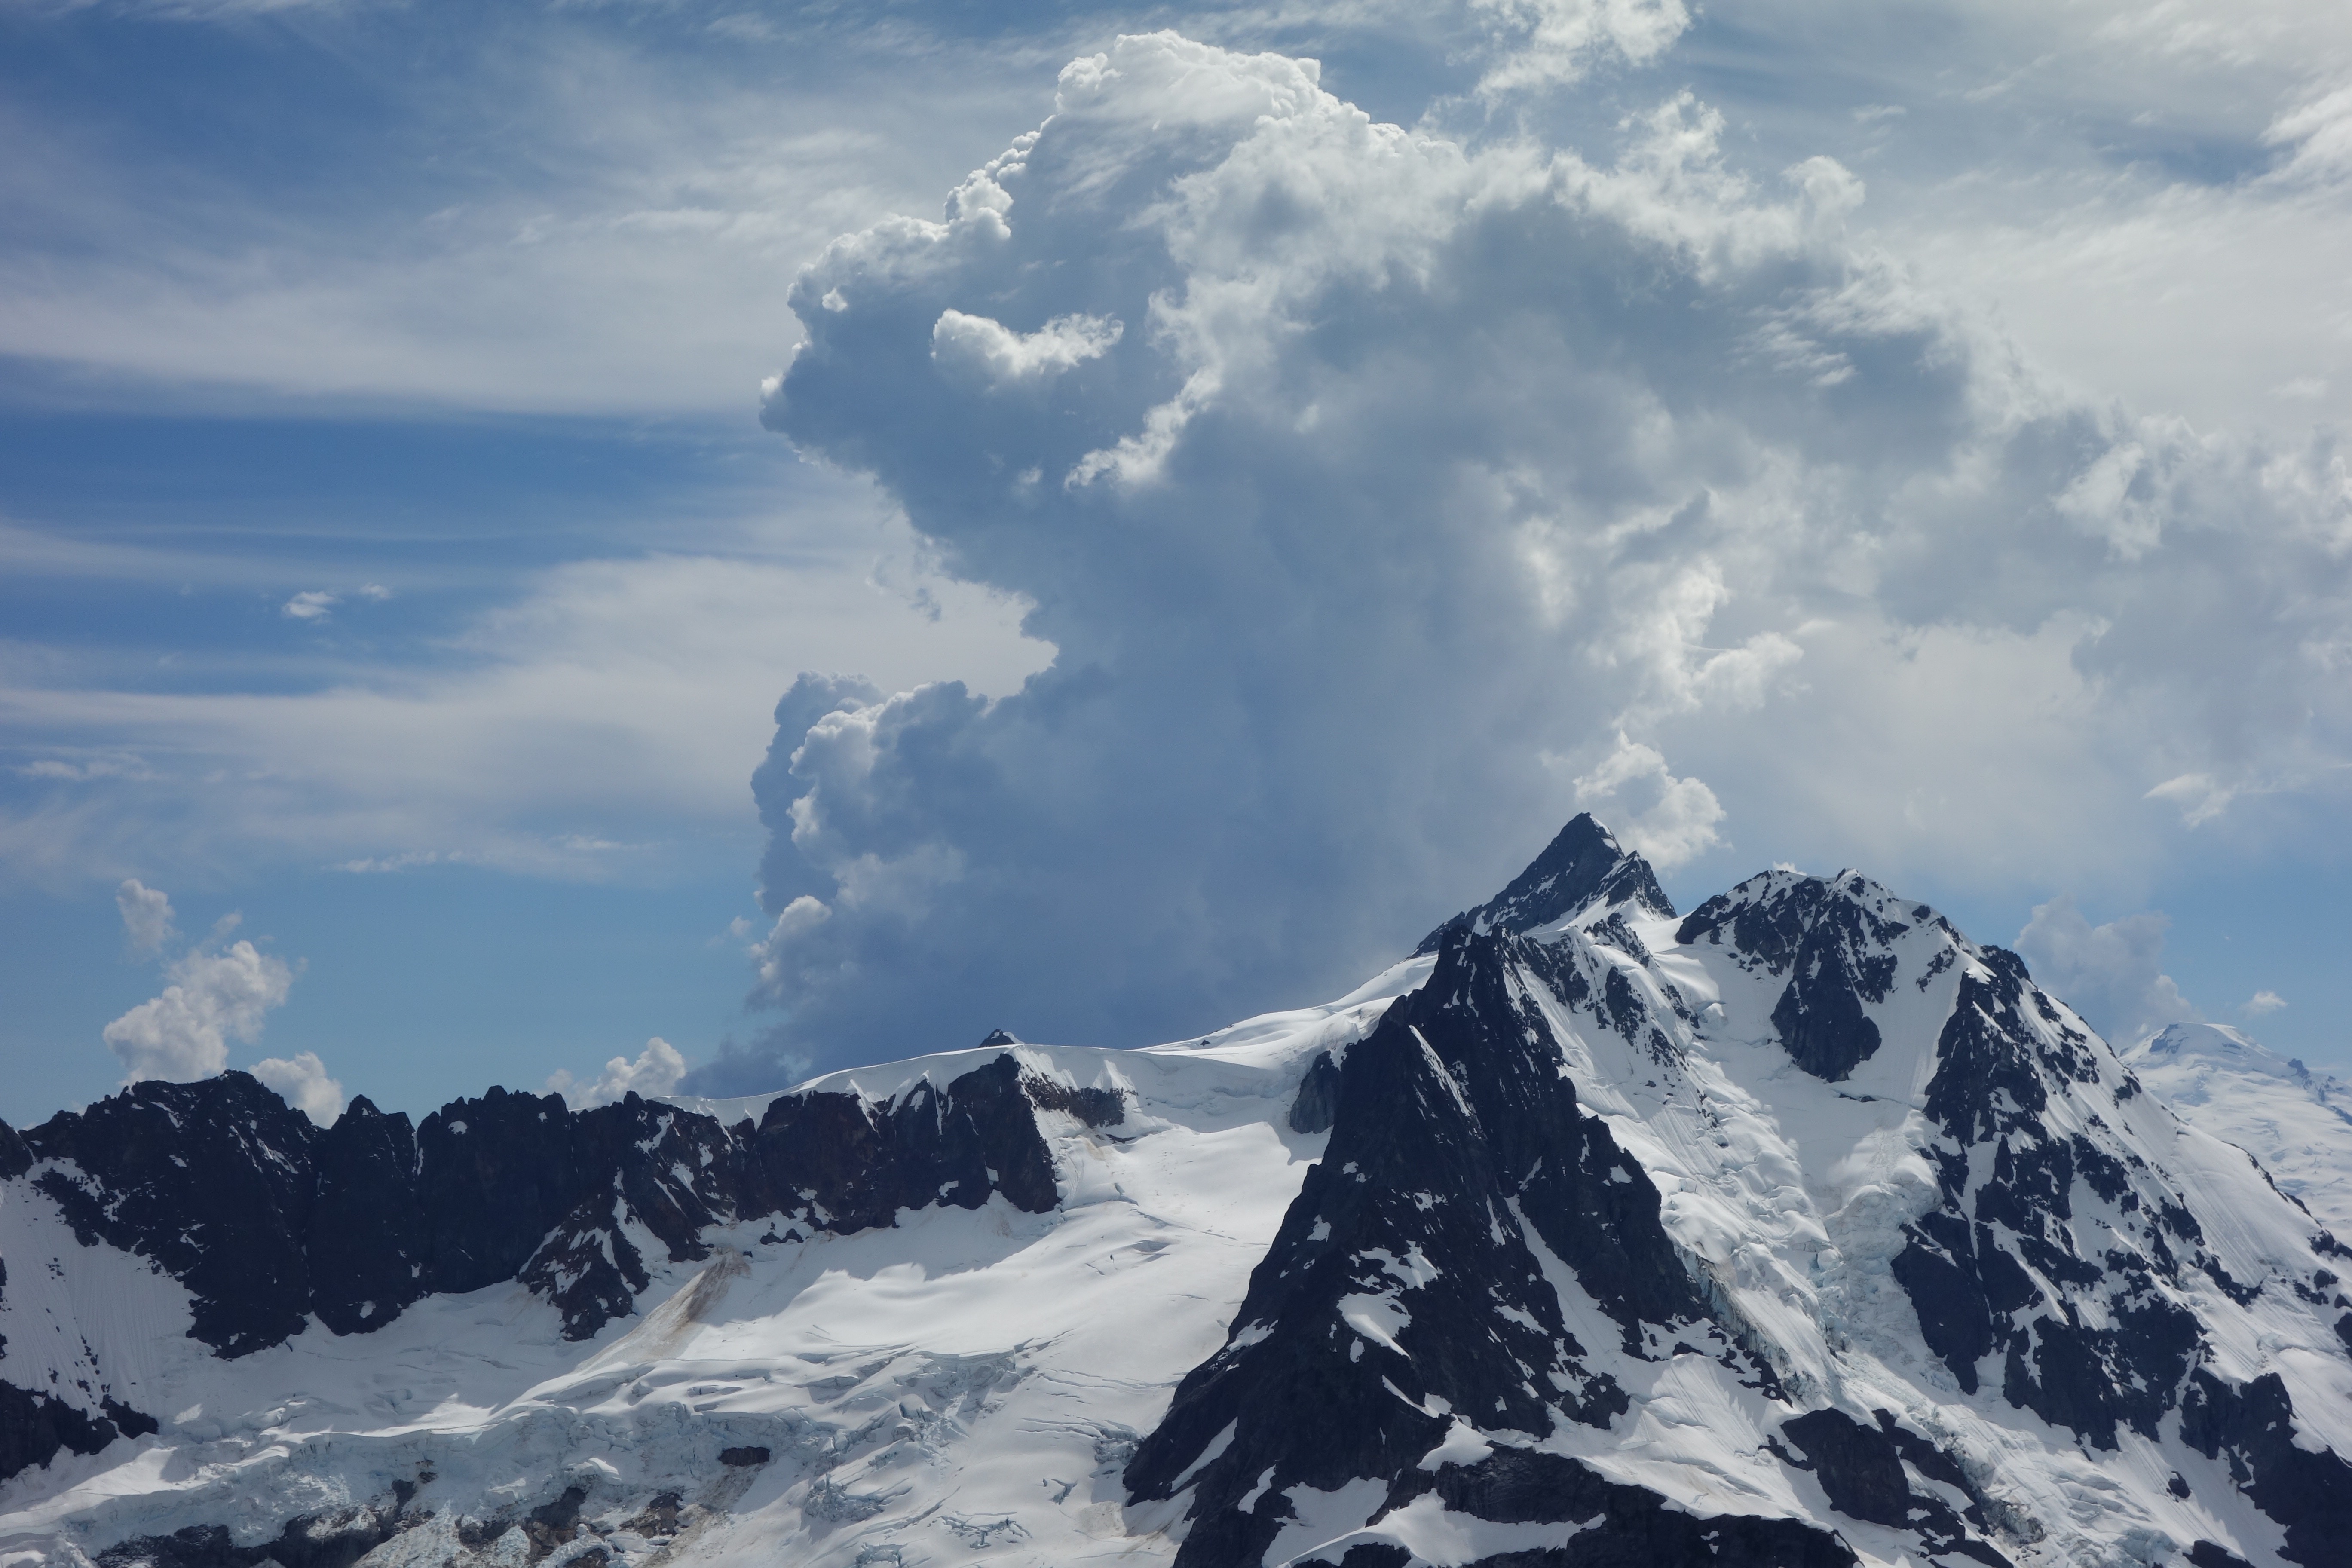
(1801, 1231)
(2295, 1122)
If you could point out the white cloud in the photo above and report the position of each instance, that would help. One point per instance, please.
(2200, 796)
(2320, 132)
(86, 769)
(146, 916)
(311, 604)
(626, 176)
(2261, 1004)
(213, 997)
(1553, 42)
(656, 1071)
(376, 864)
(998, 355)
(2112, 974)
(626, 694)
(303, 1083)
(1677, 826)
(1439, 464)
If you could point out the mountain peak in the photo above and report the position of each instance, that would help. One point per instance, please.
(1582, 866)
(2217, 1043)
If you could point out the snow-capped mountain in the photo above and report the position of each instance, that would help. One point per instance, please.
(1799, 1231)
(2296, 1122)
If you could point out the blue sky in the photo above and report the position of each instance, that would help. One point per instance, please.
(1898, 437)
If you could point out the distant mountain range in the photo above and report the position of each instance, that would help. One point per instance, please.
(1801, 1230)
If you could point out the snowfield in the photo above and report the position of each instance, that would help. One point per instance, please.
(965, 1385)
(1800, 1230)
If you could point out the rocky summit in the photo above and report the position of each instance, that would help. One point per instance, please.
(1800, 1230)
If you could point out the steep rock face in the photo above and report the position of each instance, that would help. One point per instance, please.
(267, 1220)
(1934, 1121)
(1583, 867)
(369, 1240)
(34, 1424)
(494, 1175)
(1830, 939)
(210, 1180)
(2071, 1262)
(1475, 1264)
(646, 1176)
(839, 1163)
(1804, 1231)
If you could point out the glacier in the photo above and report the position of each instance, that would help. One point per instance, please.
(1799, 1230)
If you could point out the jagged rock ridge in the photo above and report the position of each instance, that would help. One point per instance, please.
(267, 1220)
(1582, 869)
(1799, 1231)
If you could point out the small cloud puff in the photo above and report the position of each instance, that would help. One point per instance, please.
(146, 916)
(213, 997)
(2261, 1003)
(302, 1081)
(999, 355)
(2201, 798)
(374, 864)
(184, 1034)
(2112, 974)
(319, 603)
(1676, 826)
(656, 1071)
(119, 766)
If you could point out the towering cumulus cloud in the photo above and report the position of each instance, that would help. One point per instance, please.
(1384, 497)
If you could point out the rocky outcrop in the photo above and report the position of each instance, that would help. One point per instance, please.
(1461, 1180)
(269, 1220)
(1583, 867)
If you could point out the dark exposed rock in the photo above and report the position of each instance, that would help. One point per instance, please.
(658, 1517)
(846, 1163)
(1583, 866)
(1624, 1526)
(555, 1524)
(335, 1539)
(212, 1180)
(1319, 1096)
(673, 1172)
(128, 1422)
(367, 1240)
(1821, 1021)
(1939, 1270)
(2213, 1554)
(1830, 937)
(16, 1159)
(1617, 931)
(1095, 1107)
(1860, 1468)
(35, 1426)
(2308, 1494)
(358, 1221)
(743, 1459)
(496, 1175)
(1456, 1138)
(2011, 1281)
